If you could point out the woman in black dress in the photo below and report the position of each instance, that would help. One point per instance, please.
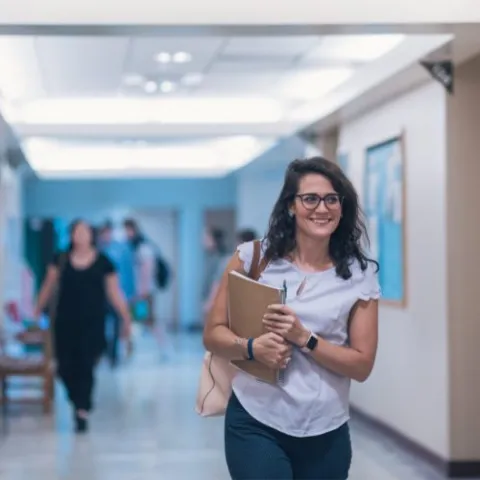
(86, 280)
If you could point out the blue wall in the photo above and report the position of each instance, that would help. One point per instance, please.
(71, 198)
(259, 183)
(97, 198)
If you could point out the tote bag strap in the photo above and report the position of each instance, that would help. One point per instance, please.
(258, 265)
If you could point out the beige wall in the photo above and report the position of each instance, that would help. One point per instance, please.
(328, 145)
(463, 255)
(408, 389)
(426, 383)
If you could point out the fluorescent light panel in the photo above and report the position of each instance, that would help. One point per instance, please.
(91, 111)
(310, 84)
(357, 48)
(61, 159)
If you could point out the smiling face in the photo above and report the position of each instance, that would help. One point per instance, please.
(317, 207)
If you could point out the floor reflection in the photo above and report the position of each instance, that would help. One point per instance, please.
(145, 428)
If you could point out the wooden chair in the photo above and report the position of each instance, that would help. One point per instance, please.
(41, 367)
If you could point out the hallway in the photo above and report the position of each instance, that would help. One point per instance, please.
(145, 428)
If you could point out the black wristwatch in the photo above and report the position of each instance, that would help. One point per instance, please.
(311, 343)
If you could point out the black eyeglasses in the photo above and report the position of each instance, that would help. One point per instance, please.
(311, 201)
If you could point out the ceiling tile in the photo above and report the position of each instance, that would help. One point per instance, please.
(250, 65)
(142, 52)
(271, 46)
(352, 48)
(234, 85)
(310, 84)
(20, 77)
(77, 66)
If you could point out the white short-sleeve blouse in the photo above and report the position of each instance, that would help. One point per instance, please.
(310, 400)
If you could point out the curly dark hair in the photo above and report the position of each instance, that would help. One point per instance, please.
(345, 243)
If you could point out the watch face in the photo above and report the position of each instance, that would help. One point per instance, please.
(312, 342)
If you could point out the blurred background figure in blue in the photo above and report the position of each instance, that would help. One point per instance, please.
(121, 255)
(144, 264)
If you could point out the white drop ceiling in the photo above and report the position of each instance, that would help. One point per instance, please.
(233, 66)
(82, 86)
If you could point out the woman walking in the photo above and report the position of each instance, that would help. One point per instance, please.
(323, 337)
(85, 280)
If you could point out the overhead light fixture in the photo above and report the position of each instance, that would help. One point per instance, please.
(208, 158)
(360, 48)
(182, 57)
(310, 84)
(167, 86)
(178, 110)
(133, 80)
(192, 79)
(163, 57)
(150, 86)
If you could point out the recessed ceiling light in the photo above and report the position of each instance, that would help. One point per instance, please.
(150, 86)
(163, 57)
(191, 79)
(182, 57)
(133, 79)
(167, 87)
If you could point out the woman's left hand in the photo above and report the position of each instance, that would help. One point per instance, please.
(281, 319)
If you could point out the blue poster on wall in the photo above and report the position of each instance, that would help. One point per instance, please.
(384, 209)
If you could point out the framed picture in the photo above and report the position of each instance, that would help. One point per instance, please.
(384, 205)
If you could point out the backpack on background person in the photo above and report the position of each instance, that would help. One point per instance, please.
(163, 272)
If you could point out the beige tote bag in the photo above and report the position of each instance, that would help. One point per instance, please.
(217, 373)
(215, 386)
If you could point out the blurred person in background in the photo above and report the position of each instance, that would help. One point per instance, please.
(144, 268)
(85, 279)
(215, 251)
(243, 236)
(121, 255)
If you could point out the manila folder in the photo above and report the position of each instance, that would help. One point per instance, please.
(248, 301)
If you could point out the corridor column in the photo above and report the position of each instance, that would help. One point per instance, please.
(191, 265)
(463, 266)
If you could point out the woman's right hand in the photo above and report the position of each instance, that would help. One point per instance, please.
(272, 350)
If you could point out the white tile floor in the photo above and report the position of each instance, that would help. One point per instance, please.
(145, 428)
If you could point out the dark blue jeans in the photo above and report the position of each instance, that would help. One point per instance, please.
(255, 451)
